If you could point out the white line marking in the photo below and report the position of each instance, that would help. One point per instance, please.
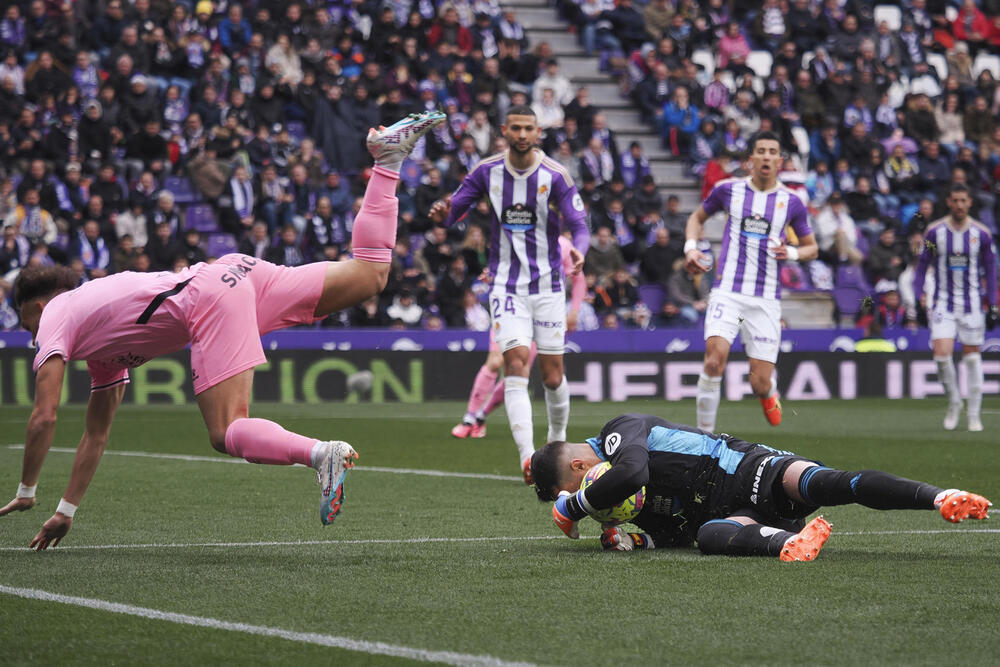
(219, 459)
(297, 543)
(437, 540)
(372, 648)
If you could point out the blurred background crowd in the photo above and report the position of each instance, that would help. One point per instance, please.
(148, 135)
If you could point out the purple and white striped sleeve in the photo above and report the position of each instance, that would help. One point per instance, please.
(573, 213)
(469, 192)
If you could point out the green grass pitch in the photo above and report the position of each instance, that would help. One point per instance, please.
(242, 544)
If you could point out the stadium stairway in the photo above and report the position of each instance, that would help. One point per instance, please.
(543, 24)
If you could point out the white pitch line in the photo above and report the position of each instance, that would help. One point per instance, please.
(219, 459)
(298, 543)
(360, 646)
(437, 540)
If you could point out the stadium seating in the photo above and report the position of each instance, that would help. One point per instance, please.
(705, 59)
(760, 62)
(652, 295)
(183, 191)
(939, 63)
(201, 217)
(220, 244)
(986, 61)
(890, 14)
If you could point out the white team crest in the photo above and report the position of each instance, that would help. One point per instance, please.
(577, 202)
(611, 443)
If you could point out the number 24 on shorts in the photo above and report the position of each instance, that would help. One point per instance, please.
(508, 306)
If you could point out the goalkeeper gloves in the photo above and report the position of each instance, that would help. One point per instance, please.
(569, 509)
(616, 539)
(993, 318)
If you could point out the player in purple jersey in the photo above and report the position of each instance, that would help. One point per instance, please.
(745, 297)
(527, 301)
(961, 252)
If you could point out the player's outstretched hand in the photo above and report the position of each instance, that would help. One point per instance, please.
(693, 262)
(440, 209)
(614, 538)
(17, 505)
(52, 531)
(577, 258)
(560, 514)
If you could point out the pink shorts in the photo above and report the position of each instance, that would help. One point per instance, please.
(234, 302)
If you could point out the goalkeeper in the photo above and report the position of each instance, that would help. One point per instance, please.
(730, 496)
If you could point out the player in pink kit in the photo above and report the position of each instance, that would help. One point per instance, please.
(487, 393)
(221, 309)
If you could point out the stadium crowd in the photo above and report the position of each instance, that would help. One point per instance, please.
(149, 135)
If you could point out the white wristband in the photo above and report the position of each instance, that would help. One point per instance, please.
(66, 508)
(792, 252)
(689, 245)
(26, 491)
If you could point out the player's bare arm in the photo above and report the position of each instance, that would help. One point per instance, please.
(693, 233)
(41, 426)
(100, 413)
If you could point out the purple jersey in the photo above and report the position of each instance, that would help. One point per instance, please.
(959, 258)
(754, 219)
(524, 248)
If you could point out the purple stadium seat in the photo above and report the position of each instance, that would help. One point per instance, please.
(201, 217)
(849, 275)
(297, 130)
(652, 295)
(182, 189)
(220, 244)
(849, 300)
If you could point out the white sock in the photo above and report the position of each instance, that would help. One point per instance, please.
(709, 394)
(974, 365)
(557, 406)
(518, 404)
(946, 375)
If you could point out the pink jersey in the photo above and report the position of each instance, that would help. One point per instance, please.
(126, 319)
(100, 322)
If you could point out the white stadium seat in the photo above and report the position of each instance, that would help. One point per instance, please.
(760, 62)
(706, 59)
(802, 140)
(986, 61)
(940, 63)
(890, 14)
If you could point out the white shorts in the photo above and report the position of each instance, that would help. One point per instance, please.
(969, 329)
(756, 319)
(519, 320)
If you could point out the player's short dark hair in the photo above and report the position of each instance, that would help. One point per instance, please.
(520, 110)
(958, 187)
(545, 470)
(765, 135)
(43, 282)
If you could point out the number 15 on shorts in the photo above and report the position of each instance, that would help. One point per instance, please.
(508, 306)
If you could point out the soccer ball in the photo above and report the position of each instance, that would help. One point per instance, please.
(624, 511)
(360, 382)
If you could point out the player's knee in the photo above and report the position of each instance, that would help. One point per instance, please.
(714, 367)
(552, 378)
(714, 536)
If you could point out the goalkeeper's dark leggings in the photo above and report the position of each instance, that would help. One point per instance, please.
(821, 486)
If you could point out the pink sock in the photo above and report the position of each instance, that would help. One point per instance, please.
(481, 388)
(374, 234)
(496, 398)
(263, 441)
